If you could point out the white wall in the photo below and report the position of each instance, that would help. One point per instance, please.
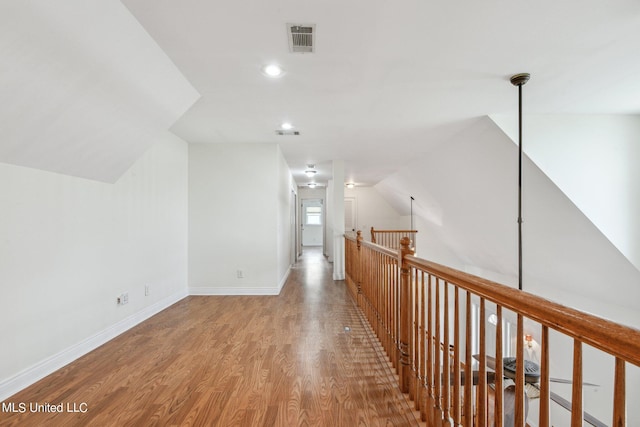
(286, 218)
(337, 218)
(594, 160)
(372, 210)
(69, 246)
(234, 223)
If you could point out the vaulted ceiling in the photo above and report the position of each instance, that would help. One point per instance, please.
(389, 80)
(88, 86)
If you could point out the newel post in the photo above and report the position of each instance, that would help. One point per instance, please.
(405, 314)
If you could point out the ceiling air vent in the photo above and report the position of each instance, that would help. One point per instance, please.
(301, 37)
(287, 132)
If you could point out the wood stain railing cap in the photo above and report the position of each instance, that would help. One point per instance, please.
(610, 337)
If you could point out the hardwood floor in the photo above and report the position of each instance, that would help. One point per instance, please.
(282, 360)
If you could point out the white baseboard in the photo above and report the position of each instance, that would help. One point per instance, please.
(284, 279)
(239, 290)
(23, 379)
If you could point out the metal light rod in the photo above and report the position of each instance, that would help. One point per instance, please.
(412, 199)
(519, 80)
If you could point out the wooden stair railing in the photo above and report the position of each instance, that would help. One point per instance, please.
(391, 238)
(422, 314)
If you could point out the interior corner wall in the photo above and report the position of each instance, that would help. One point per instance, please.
(328, 228)
(70, 246)
(286, 220)
(233, 220)
(372, 210)
(593, 159)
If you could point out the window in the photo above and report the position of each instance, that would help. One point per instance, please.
(313, 215)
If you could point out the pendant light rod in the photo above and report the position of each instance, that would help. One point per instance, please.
(519, 80)
(412, 199)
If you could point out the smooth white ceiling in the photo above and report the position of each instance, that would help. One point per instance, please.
(390, 80)
(85, 90)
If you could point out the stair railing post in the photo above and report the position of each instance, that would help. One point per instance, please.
(404, 350)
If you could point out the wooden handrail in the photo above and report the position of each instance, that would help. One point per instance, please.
(407, 302)
(391, 238)
(605, 335)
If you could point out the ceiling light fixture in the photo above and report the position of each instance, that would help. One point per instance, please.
(310, 172)
(312, 185)
(350, 185)
(272, 70)
(286, 126)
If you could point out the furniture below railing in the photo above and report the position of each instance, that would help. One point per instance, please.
(423, 315)
(391, 238)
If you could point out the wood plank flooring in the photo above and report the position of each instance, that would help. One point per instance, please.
(282, 360)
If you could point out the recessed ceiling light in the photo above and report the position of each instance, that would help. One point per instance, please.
(350, 185)
(286, 126)
(272, 70)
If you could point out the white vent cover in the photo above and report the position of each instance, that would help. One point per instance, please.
(287, 132)
(301, 37)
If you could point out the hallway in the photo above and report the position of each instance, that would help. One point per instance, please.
(303, 358)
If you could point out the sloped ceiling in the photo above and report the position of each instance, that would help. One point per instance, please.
(390, 80)
(466, 192)
(593, 161)
(85, 91)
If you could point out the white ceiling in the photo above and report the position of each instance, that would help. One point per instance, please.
(390, 78)
(85, 91)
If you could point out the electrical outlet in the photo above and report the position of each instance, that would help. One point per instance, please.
(147, 290)
(123, 299)
(240, 274)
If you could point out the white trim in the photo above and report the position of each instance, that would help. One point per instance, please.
(29, 376)
(232, 290)
(284, 279)
(237, 290)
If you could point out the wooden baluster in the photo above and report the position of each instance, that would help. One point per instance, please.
(437, 374)
(576, 393)
(430, 355)
(373, 236)
(383, 283)
(482, 374)
(395, 327)
(520, 416)
(498, 413)
(388, 343)
(374, 294)
(417, 333)
(619, 395)
(544, 378)
(456, 358)
(405, 317)
(358, 267)
(372, 289)
(446, 369)
(468, 375)
(412, 344)
(423, 349)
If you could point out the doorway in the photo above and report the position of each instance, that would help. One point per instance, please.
(312, 223)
